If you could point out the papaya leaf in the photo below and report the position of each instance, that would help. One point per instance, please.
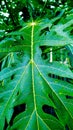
(45, 101)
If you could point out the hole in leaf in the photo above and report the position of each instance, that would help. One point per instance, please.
(69, 80)
(44, 53)
(58, 77)
(44, 31)
(69, 97)
(22, 38)
(6, 124)
(44, 56)
(43, 48)
(49, 110)
(66, 127)
(17, 110)
(17, 93)
(12, 77)
(0, 65)
(71, 32)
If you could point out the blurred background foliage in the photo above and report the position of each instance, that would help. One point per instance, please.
(15, 13)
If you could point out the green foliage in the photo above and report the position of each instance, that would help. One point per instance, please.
(36, 88)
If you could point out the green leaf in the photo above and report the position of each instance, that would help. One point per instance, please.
(28, 83)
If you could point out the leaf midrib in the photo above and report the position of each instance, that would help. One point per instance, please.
(32, 63)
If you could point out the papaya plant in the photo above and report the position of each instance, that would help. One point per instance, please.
(36, 90)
